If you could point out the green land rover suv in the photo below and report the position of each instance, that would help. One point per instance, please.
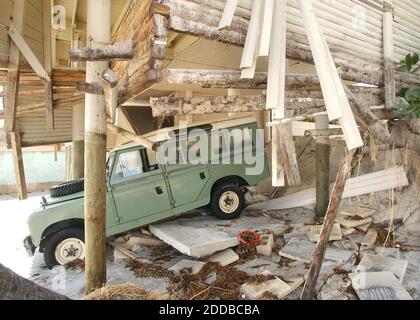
(209, 164)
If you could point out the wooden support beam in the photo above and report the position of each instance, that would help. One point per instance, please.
(27, 52)
(19, 166)
(318, 257)
(389, 65)
(49, 105)
(322, 167)
(14, 70)
(110, 84)
(99, 33)
(114, 52)
(287, 151)
(228, 14)
(134, 137)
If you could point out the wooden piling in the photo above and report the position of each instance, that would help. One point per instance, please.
(99, 31)
(322, 167)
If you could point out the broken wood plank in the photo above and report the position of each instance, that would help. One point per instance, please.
(251, 42)
(27, 52)
(136, 138)
(267, 28)
(277, 62)
(287, 150)
(337, 193)
(228, 14)
(316, 41)
(368, 183)
(113, 52)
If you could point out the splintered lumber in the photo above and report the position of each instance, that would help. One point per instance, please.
(277, 168)
(328, 75)
(142, 141)
(170, 106)
(322, 167)
(266, 30)
(251, 42)
(114, 52)
(318, 257)
(27, 52)
(320, 55)
(366, 118)
(90, 88)
(277, 62)
(287, 150)
(228, 14)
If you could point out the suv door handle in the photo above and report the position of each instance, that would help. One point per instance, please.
(202, 175)
(159, 190)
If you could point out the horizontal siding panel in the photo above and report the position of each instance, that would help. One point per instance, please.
(34, 129)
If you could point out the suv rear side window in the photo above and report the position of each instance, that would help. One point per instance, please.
(128, 164)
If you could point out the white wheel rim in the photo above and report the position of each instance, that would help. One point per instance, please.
(229, 202)
(69, 250)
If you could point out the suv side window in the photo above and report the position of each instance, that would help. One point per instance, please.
(151, 159)
(128, 164)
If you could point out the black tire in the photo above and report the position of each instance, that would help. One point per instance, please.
(55, 239)
(67, 188)
(218, 193)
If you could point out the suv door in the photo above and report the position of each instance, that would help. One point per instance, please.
(138, 186)
(186, 180)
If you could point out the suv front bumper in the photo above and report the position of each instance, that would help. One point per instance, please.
(29, 246)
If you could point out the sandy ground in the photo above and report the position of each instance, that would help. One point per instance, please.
(13, 229)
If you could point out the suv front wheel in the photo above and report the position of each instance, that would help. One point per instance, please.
(227, 202)
(64, 246)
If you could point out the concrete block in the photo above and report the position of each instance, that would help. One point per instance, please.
(346, 222)
(195, 266)
(369, 239)
(358, 212)
(303, 250)
(202, 236)
(225, 257)
(349, 245)
(315, 233)
(377, 263)
(266, 246)
(277, 287)
(347, 231)
(378, 286)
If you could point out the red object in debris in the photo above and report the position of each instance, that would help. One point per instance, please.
(249, 238)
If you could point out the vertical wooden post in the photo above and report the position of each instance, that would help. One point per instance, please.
(322, 166)
(19, 167)
(316, 263)
(14, 70)
(78, 145)
(48, 63)
(388, 40)
(99, 34)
